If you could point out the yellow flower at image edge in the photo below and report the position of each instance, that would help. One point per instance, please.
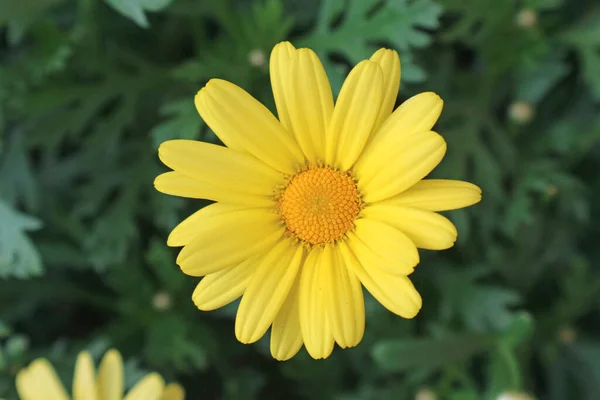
(39, 381)
(314, 205)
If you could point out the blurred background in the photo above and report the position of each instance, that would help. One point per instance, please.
(90, 88)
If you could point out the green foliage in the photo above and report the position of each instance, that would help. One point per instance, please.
(90, 88)
(398, 23)
(18, 256)
(428, 354)
(136, 9)
(585, 39)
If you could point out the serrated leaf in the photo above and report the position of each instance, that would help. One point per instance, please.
(110, 237)
(168, 342)
(477, 18)
(396, 23)
(481, 307)
(19, 258)
(183, 122)
(17, 181)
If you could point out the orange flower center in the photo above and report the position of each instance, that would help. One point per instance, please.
(319, 204)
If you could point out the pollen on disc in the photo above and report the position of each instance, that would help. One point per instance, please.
(319, 204)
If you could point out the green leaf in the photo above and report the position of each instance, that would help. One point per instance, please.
(477, 19)
(17, 181)
(465, 394)
(504, 371)
(183, 122)
(520, 330)
(534, 85)
(16, 345)
(245, 384)
(155, 5)
(585, 39)
(110, 237)
(135, 9)
(543, 4)
(160, 257)
(396, 23)
(3, 360)
(169, 342)
(481, 307)
(407, 354)
(24, 10)
(132, 9)
(19, 258)
(585, 367)
(4, 330)
(264, 25)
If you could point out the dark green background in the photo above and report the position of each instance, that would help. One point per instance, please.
(89, 88)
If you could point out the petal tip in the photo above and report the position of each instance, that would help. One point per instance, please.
(159, 181)
(286, 43)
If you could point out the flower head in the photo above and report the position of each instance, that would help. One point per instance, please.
(313, 205)
(39, 381)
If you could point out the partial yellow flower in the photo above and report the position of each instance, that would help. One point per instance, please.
(39, 381)
(314, 205)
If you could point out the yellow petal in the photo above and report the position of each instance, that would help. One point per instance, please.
(84, 380)
(402, 166)
(229, 238)
(310, 103)
(267, 291)
(238, 119)
(220, 166)
(110, 376)
(345, 303)
(177, 184)
(279, 68)
(379, 245)
(394, 292)
(192, 226)
(40, 381)
(286, 334)
(221, 288)
(149, 388)
(173, 391)
(354, 114)
(389, 62)
(415, 115)
(438, 195)
(314, 281)
(26, 387)
(426, 229)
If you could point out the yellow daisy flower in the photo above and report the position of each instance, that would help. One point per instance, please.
(39, 381)
(313, 206)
